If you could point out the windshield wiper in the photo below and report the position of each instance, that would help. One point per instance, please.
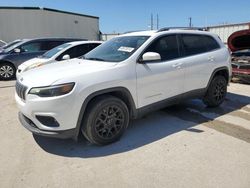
(96, 59)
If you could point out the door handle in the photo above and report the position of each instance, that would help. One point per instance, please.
(211, 58)
(177, 65)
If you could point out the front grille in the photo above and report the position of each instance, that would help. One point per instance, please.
(240, 66)
(21, 90)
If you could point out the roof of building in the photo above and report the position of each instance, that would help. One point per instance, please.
(48, 9)
(228, 25)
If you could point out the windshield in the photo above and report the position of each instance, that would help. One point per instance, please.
(117, 49)
(11, 44)
(54, 51)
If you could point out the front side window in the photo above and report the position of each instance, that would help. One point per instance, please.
(54, 51)
(31, 47)
(117, 49)
(71, 52)
(166, 46)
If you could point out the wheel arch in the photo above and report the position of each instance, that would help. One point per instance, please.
(223, 71)
(119, 92)
(8, 62)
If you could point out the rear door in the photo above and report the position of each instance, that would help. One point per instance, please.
(199, 57)
(163, 79)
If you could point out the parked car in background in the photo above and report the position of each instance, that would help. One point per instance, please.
(2, 43)
(241, 65)
(123, 79)
(63, 52)
(13, 56)
(239, 44)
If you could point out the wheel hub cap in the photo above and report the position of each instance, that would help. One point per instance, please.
(6, 71)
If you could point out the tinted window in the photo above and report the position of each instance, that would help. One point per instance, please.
(82, 49)
(71, 52)
(197, 44)
(52, 44)
(78, 51)
(55, 50)
(32, 47)
(210, 43)
(166, 46)
(93, 45)
(193, 44)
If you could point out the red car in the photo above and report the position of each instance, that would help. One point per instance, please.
(239, 44)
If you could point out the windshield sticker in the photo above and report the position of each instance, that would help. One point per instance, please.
(125, 49)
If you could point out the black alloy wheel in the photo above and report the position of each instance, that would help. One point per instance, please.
(105, 120)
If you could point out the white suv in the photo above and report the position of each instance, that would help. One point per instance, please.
(123, 79)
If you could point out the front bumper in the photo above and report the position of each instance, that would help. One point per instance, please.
(28, 124)
(241, 73)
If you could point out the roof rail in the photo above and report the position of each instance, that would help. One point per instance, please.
(133, 31)
(182, 28)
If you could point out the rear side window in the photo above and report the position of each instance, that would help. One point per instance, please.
(211, 43)
(197, 44)
(166, 46)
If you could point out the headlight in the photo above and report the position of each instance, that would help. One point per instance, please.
(52, 91)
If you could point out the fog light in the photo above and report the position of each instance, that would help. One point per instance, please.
(48, 121)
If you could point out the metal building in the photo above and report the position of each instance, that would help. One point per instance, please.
(35, 22)
(224, 31)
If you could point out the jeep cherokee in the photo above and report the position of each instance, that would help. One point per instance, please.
(123, 79)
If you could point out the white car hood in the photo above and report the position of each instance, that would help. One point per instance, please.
(49, 74)
(32, 62)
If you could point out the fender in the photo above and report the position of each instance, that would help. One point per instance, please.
(214, 72)
(125, 92)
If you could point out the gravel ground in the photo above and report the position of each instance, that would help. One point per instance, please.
(187, 145)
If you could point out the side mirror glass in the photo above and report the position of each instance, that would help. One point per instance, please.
(151, 56)
(17, 50)
(66, 57)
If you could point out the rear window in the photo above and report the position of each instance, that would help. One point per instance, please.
(197, 44)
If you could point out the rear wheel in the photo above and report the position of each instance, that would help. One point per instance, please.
(105, 121)
(7, 71)
(216, 92)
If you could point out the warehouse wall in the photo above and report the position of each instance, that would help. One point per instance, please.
(23, 23)
(225, 31)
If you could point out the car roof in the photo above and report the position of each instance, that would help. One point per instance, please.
(167, 31)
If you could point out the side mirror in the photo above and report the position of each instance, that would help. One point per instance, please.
(17, 50)
(66, 57)
(151, 56)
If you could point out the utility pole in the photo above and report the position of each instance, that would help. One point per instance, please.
(152, 22)
(190, 21)
(157, 22)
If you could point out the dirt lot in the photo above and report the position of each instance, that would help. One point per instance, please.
(182, 146)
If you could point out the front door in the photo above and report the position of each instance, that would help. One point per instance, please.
(159, 80)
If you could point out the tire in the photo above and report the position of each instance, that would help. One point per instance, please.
(105, 121)
(7, 71)
(216, 92)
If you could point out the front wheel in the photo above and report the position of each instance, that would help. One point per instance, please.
(216, 92)
(7, 71)
(106, 119)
